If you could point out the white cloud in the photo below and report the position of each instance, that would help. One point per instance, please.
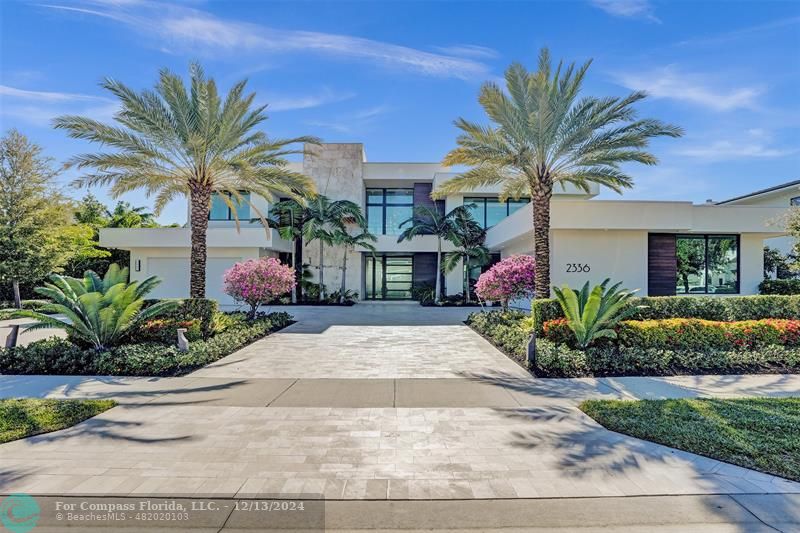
(40, 107)
(469, 50)
(727, 149)
(199, 31)
(44, 96)
(669, 83)
(627, 8)
(290, 103)
(354, 122)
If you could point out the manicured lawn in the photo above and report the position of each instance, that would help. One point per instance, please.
(20, 418)
(758, 433)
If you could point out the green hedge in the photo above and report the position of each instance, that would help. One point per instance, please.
(510, 331)
(59, 356)
(689, 334)
(779, 286)
(725, 309)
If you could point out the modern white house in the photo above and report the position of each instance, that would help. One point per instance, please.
(662, 248)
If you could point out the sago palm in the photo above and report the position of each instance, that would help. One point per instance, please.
(99, 311)
(324, 219)
(174, 142)
(543, 134)
(592, 314)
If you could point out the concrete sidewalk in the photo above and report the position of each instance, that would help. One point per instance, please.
(486, 389)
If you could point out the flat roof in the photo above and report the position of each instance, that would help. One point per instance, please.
(762, 191)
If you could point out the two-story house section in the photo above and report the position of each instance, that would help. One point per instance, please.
(644, 244)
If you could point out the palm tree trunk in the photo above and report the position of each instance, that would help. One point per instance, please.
(466, 280)
(294, 269)
(438, 270)
(344, 274)
(298, 268)
(321, 271)
(200, 201)
(541, 237)
(17, 299)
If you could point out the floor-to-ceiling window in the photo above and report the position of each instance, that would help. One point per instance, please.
(707, 264)
(388, 277)
(387, 209)
(221, 211)
(488, 211)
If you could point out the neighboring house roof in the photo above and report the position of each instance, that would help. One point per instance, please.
(762, 191)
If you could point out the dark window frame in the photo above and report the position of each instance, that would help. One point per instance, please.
(794, 201)
(483, 200)
(383, 204)
(705, 238)
(384, 282)
(230, 215)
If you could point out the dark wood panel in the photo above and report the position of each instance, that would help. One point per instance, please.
(662, 264)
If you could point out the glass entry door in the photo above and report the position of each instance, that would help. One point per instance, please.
(388, 277)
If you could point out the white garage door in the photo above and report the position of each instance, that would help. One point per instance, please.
(174, 275)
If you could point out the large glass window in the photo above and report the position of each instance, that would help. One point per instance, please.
(488, 211)
(707, 264)
(221, 211)
(387, 209)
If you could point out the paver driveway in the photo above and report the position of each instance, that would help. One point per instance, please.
(375, 402)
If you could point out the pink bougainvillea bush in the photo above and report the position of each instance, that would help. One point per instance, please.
(510, 279)
(258, 281)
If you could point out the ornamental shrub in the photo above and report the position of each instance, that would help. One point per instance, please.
(510, 279)
(258, 281)
(727, 309)
(779, 286)
(692, 334)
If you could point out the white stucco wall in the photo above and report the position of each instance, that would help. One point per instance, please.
(171, 265)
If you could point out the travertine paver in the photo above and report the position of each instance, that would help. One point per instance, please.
(368, 341)
(352, 453)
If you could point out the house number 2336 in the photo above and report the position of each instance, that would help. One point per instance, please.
(578, 267)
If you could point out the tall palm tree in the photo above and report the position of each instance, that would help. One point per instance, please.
(349, 241)
(468, 238)
(325, 219)
(541, 134)
(430, 221)
(173, 142)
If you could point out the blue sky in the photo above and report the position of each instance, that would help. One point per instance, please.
(395, 75)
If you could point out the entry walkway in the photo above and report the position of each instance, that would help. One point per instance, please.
(394, 402)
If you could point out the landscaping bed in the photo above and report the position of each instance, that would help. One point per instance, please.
(158, 356)
(758, 433)
(20, 418)
(664, 347)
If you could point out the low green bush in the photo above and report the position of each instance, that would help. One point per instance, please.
(59, 356)
(779, 286)
(724, 309)
(165, 331)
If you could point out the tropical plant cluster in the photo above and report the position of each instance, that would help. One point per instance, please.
(510, 331)
(728, 309)
(61, 357)
(689, 334)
